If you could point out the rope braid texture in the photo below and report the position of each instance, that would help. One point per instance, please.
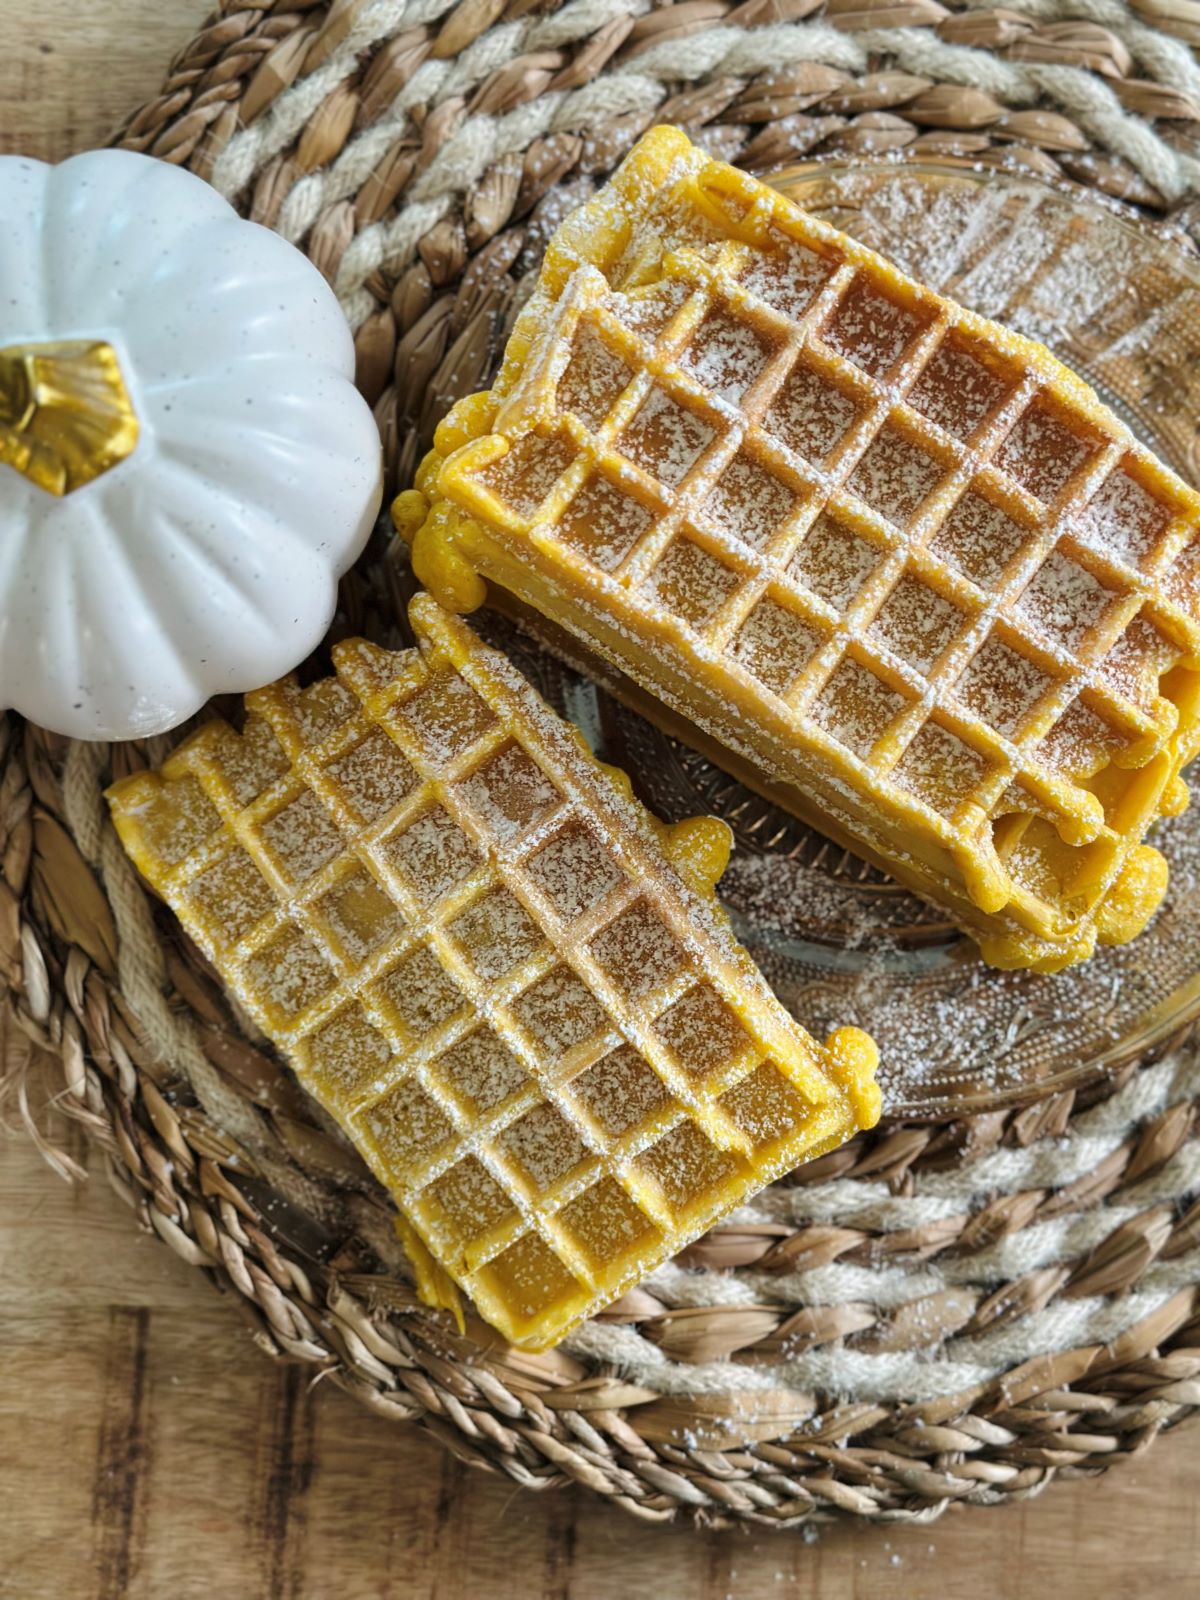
(930, 1315)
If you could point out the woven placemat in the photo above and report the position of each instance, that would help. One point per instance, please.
(932, 1314)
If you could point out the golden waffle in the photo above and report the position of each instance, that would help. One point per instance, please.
(511, 986)
(898, 564)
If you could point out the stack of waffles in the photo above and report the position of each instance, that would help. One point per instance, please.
(891, 564)
(511, 986)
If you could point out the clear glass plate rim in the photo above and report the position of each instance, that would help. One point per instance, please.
(1161, 230)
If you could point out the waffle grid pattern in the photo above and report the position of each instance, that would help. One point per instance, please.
(389, 868)
(844, 492)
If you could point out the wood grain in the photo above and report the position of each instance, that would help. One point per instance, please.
(147, 1448)
(72, 70)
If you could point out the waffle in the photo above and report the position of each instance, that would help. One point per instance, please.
(897, 565)
(510, 985)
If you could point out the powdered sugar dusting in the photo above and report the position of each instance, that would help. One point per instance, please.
(682, 1163)
(620, 1092)
(593, 380)
(253, 762)
(1137, 661)
(775, 645)
(419, 992)
(979, 540)
(1182, 581)
(544, 1145)
(1122, 519)
(232, 893)
(481, 1070)
(604, 522)
(869, 329)
(302, 837)
(574, 870)
(525, 475)
(691, 583)
(446, 715)
(788, 276)
(407, 1124)
(956, 390)
(432, 853)
(508, 791)
(939, 768)
(1063, 601)
(702, 1030)
(809, 415)
(638, 952)
(1001, 687)
(322, 708)
(373, 776)
(916, 623)
(290, 971)
(559, 1012)
(1079, 743)
(855, 706)
(1042, 452)
(748, 502)
(647, 311)
(833, 562)
(726, 355)
(895, 475)
(496, 933)
(360, 915)
(351, 1050)
(664, 438)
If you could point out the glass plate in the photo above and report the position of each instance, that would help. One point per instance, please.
(1118, 299)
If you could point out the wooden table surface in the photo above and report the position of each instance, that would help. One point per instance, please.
(147, 1448)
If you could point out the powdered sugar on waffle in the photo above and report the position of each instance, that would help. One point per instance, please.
(1121, 519)
(726, 357)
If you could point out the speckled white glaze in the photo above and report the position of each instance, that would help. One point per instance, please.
(207, 560)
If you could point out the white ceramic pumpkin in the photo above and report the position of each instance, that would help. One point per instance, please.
(186, 467)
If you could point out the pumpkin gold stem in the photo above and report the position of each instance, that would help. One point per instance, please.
(65, 413)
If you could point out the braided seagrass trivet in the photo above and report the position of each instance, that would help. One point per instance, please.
(933, 1314)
